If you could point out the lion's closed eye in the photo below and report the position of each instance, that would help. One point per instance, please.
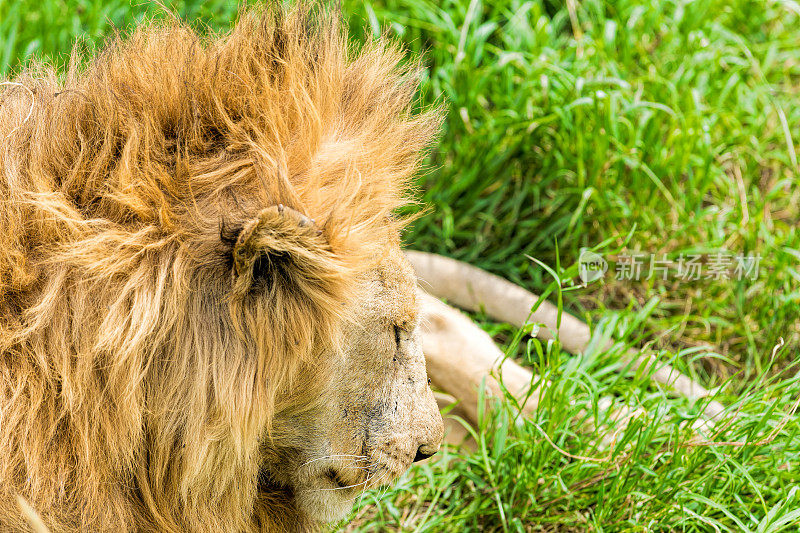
(397, 336)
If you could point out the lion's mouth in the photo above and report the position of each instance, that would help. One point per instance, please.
(337, 480)
(267, 484)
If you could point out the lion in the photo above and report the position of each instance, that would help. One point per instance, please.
(206, 320)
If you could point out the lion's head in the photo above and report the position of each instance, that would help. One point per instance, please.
(375, 413)
(206, 322)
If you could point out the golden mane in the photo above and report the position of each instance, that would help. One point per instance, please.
(123, 189)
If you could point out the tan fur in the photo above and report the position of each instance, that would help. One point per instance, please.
(177, 349)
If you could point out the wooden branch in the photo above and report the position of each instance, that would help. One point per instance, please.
(473, 289)
(460, 355)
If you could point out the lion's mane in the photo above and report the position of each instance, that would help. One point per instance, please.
(137, 379)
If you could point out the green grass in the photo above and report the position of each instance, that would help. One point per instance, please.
(667, 128)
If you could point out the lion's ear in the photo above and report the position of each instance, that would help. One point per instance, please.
(285, 254)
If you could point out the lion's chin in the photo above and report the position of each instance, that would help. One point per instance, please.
(321, 500)
(328, 496)
(324, 506)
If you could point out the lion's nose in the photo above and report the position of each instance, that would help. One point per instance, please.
(423, 454)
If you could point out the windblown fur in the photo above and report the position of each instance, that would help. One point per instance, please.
(139, 373)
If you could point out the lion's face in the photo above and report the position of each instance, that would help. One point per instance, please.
(376, 413)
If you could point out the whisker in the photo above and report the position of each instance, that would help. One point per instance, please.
(384, 476)
(360, 457)
(378, 497)
(366, 482)
(366, 467)
(385, 490)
